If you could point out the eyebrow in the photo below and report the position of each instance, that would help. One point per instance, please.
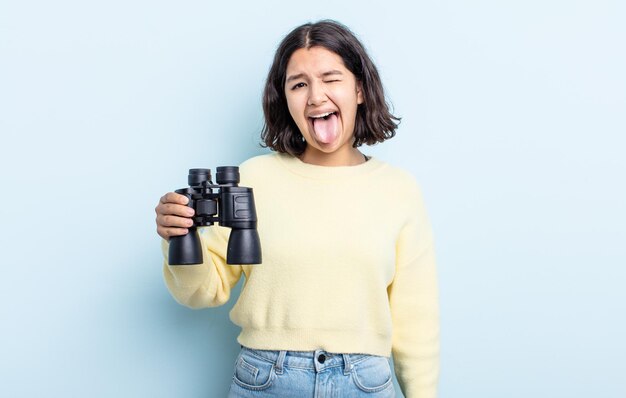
(325, 74)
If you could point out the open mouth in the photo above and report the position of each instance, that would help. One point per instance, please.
(324, 116)
(325, 126)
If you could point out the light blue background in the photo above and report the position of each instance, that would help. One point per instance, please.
(513, 122)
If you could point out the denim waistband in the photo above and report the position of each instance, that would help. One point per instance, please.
(317, 360)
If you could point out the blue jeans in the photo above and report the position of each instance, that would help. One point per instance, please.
(310, 374)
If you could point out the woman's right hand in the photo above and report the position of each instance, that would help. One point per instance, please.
(173, 215)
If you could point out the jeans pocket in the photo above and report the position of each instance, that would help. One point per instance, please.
(253, 373)
(372, 374)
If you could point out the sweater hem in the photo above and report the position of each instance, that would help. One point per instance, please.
(332, 341)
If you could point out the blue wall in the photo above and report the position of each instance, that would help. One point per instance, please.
(513, 121)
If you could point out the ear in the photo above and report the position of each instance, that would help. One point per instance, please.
(359, 93)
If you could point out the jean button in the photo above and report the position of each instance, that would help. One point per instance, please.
(321, 358)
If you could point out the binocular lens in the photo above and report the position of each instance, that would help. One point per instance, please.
(227, 175)
(198, 176)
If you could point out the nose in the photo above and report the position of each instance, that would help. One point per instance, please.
(317, 96)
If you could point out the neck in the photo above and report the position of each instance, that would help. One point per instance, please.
(351, 157)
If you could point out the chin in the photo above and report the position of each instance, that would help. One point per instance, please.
(327, 148)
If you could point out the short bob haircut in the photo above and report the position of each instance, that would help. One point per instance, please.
(374, 122)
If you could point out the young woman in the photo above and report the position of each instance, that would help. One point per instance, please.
(348, 275)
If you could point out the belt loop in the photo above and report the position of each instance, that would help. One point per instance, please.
(347, 364)
(279, 362)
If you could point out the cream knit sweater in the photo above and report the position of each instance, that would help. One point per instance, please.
(348, 266)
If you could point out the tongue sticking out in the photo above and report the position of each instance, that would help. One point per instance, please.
(326, 128)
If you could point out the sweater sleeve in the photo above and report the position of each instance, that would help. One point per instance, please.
(413, 300)
(208, 284)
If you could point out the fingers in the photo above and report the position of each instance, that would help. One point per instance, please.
(169, 225)
(174, 204)
(173, 216)
(174, 209)
(173, 197)
(167, 233)
(174, 221)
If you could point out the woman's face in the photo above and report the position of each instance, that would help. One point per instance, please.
(322, 97)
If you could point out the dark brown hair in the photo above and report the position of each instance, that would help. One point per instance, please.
(374, 122)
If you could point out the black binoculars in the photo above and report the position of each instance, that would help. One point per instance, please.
(232, 206)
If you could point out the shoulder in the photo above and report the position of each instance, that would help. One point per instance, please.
(259, 161)
(258, 167)
(399, 179)
(405, 192)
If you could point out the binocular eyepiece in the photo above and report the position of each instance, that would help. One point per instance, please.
(231, 206)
